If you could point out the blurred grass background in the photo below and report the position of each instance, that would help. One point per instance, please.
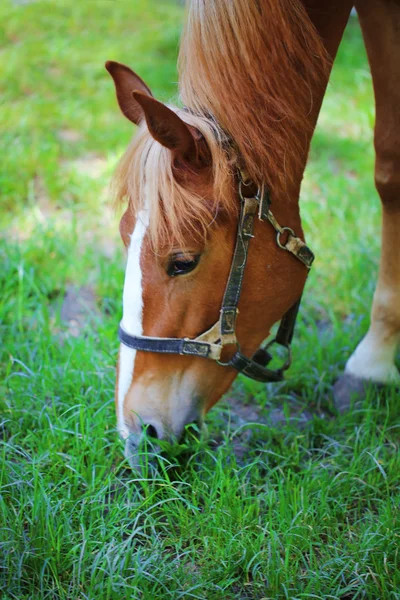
(289, 511)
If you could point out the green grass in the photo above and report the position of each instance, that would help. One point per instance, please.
(283, 511)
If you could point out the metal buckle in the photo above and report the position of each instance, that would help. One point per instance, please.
(278, 236)
(243, 184)
(193, 348)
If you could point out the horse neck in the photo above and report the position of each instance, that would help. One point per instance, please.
(255, 67)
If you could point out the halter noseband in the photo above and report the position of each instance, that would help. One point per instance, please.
(223, 333)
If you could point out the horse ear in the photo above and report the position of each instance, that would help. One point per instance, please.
(126, 81)
(169, 130)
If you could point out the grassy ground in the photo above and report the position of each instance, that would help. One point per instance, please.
(300, 506)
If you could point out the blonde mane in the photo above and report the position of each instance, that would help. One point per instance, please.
(251, 67)
(254, 65)
(145, 176)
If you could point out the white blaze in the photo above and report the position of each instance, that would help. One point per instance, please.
(132, 314)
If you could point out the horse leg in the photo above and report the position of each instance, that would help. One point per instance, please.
(373, 359)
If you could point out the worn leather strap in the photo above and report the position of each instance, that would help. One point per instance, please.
(166, 345)
(285, 332)
(248, 212)
(254, 369)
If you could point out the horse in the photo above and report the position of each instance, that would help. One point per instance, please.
(215, 248)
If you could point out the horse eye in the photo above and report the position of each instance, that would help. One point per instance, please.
(180, 264)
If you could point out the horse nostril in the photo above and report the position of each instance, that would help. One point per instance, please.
(150, 431)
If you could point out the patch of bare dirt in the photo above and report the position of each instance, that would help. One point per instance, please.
(70, 135)
(244, 418)
(46, 207)
(90, 165)
(103, 234)
(78, 308)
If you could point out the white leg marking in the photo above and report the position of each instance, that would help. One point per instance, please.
(132, 314)
(373, 359)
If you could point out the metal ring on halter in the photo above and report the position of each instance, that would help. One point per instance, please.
(227, 364)
(278, 241)
(244, 184)
(288, 360)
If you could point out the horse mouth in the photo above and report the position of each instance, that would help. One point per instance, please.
(145, 452)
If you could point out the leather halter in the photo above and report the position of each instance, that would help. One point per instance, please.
(211, 343)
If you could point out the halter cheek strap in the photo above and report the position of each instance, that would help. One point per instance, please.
(223, 333)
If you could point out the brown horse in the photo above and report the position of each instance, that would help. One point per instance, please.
(253, 74)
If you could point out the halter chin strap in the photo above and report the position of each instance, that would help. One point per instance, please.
(211, 343)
